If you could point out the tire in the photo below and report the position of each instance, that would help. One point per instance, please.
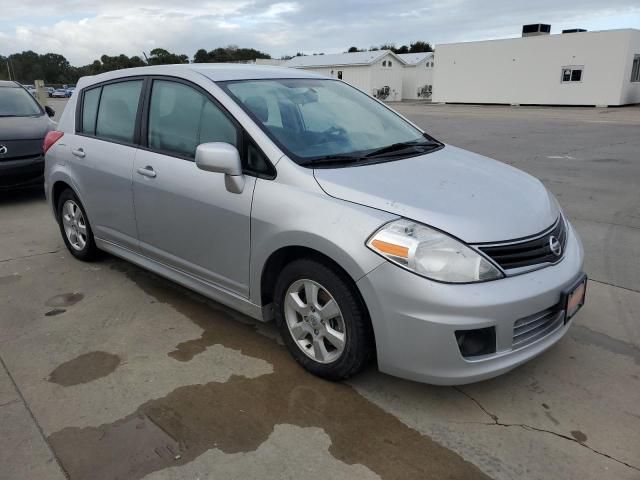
(83, 245)
(314, 328)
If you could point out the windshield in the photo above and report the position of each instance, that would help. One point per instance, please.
(17, 102)
(316, 121)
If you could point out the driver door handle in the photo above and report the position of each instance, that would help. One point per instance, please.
(78, 152)
(147, 171)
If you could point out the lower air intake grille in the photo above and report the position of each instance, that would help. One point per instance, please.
(529, 329)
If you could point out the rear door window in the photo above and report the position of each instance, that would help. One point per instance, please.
(117, 111)
(90, 110)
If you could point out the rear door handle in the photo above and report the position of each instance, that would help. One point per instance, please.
(78, 152)
(147, 171)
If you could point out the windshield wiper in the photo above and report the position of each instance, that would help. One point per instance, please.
(402, 146)
(334, 159)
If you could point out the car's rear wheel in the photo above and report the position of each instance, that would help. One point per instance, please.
(75, 228)
(322, 320)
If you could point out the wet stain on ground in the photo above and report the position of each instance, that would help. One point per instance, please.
(54, 312)
(586, 336)
(8, 279)
(240, 414)
(85, 368)
(64, 300)
(552, 418)
(579, 436)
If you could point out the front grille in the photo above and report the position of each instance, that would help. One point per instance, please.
(20, 149)
(529, 252)
(529, 329)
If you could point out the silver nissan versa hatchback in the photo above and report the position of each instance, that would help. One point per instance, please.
(290, 196)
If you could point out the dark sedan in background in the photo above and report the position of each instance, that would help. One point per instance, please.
(23, 126)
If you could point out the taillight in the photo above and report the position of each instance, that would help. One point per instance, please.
(51, 138)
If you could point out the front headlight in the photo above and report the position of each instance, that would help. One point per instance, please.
(431, 253)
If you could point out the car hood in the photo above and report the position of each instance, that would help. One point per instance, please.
(24, 128)
(472, 197)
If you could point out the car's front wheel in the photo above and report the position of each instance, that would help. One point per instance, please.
(75, 227)
(322, 320)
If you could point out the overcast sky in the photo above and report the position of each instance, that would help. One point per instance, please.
(83, 30)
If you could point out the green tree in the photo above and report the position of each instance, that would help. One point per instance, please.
(201, 56)
(420, 46)
(160, 56)
(230, 53)
(353, 49)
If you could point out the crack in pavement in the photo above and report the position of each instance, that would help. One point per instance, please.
(29, 256)
(614, 285)
(27, 407)
(497, 422)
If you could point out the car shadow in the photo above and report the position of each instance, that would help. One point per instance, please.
(23, 195)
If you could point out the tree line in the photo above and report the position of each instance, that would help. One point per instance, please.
(414, 47)
(55, 69)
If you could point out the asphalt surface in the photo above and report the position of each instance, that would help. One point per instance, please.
(111, 372)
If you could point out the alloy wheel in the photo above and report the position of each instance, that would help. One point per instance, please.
(315, 321)
(75, 226)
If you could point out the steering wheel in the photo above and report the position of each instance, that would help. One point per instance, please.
(335, 131)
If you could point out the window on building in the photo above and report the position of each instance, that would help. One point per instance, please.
(571, 74)
(635, 69)
(384, 63)
(389, 63)
(339, 74)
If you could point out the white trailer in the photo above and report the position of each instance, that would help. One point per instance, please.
(582, 68)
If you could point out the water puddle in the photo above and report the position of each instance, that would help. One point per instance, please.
(240, 414)
(64, 300)
(85, 368)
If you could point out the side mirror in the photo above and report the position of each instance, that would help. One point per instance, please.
(224, 158)
(50, 111)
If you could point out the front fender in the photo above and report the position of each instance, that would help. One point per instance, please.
(285, 215)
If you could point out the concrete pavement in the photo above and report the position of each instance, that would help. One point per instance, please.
(111, 372)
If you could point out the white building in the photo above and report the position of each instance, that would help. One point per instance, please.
(417, 77)
(584, 68)
(378, 73)
(274, 62)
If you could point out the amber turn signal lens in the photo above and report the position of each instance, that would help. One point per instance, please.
(390, 248)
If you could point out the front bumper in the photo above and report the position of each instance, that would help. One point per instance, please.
(415, 319)
(22, 172)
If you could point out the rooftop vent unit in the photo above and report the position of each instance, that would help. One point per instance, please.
(573, 30)
(536, 29)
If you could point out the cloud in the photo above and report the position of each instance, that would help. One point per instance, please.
(83, 33)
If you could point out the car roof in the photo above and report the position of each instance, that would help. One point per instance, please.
(9, 83)
(217, 72)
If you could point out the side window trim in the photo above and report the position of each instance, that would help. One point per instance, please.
(80, 110)
(95, 120)
(243, 137)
